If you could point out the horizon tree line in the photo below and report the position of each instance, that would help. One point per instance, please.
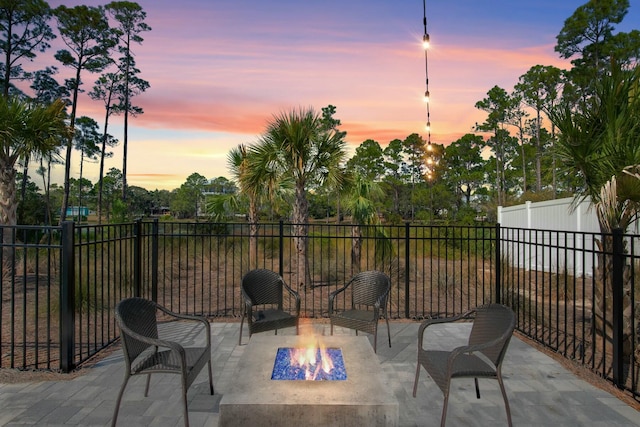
(91, 36)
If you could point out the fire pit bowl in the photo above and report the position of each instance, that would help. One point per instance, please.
(286, 366)
(254, 399)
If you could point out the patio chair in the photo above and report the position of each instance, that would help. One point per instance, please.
(264, 289)
(493, 326)
(146, 352)
(364, 306)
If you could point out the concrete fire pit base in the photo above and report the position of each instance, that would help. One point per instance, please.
(363, 399)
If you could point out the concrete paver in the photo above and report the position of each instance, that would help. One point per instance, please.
(541, 391)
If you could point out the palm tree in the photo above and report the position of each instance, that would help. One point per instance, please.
(306, 148)
(238, 164)
(601, 142)
(27, 130)
(360, 203)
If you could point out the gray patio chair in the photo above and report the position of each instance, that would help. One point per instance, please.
(482, 357)
(146, 352)
(364, 306)
(262, 296)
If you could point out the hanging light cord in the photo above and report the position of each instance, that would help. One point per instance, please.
(425, 45)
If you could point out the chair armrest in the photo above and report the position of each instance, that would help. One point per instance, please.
(465, 349)
(173, 346)
(430, 322)
(194, 318)
(333, 295)
(382, 299)
(295, 294)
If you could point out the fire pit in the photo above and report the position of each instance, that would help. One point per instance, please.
(310, 364)
(258, 397)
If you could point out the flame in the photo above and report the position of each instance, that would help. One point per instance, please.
(311, 354)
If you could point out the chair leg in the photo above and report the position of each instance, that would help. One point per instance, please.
(210, 378)
(185, 408)
(118, 400)
(388, 330)
(443, 419)
(146, 389)
(332, 329)
(504, 396)
(477, 389)
(240, 337)
(415, 382)
(375, 339)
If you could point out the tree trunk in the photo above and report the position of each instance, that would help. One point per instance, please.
(23, 188)
(253, 234)
(538, 154)
(105, 136)
(69, 146)
(300, 231)
(603, 298)
(356, 249)
(8, 206)
(8, 216)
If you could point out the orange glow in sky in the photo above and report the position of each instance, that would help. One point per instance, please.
(220, 69)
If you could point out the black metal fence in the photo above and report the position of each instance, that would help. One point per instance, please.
(574, 293)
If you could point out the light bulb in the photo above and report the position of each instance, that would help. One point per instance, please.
(425, 41)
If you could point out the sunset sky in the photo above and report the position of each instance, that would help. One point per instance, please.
(220, 69)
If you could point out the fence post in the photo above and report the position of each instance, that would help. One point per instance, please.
(498, 265)
(154, 260)
(618, 324)
(281, 245)
(67, 298)
(407, 248)
(137, 258)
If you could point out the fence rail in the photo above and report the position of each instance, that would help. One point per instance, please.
(61, 284)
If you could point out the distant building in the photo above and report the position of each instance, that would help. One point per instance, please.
(75, 211)
(160, 210)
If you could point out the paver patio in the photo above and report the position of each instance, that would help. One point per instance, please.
(541, 391)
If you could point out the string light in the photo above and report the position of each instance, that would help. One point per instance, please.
(427, 97)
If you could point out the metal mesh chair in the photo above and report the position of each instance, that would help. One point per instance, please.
(368, 301)
(264, 289)
(145, 352)
(491, 332)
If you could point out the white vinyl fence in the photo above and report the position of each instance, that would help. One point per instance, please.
(550, 236)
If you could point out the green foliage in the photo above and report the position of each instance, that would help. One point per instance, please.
(189, 197)
(31, 207)
(119, 211)
(24, 31)
(588, 32)
(322, 206)
(368, 161)
(600, 140)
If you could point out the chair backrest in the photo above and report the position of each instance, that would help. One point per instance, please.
(493, 321)
(263, 286)
(368, 286)
(139, 316)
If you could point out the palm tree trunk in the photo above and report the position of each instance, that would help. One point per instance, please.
(8, 206)
(603, 298)
(300, 231)
(23, 187)
(8, 216)
(356, 249)
(253, 234)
